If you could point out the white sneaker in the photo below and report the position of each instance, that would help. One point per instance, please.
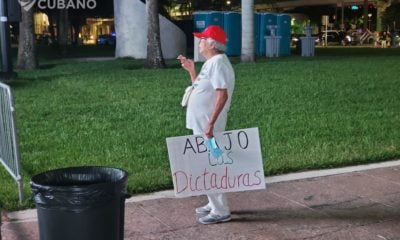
(203, 209)
(214, 218)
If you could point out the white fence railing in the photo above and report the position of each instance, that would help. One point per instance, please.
(9, 153)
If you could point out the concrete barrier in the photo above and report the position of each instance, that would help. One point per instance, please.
(131, 32)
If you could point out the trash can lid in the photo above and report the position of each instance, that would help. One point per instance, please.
(81, 176)
(78, 188)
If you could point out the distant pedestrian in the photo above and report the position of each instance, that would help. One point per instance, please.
(385, 40)
(209, 103)
(376, 39)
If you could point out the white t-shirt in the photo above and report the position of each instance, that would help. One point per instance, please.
(217, 72)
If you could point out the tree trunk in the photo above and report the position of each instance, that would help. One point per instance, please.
(381, 6)
(52, 23)
(63, 31)
(27, 58)
(247, 31)
(155, 57)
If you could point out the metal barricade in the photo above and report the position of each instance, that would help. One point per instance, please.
(9, 153)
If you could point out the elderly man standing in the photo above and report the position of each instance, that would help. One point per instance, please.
(209, 103)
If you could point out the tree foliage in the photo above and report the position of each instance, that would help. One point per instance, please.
(391, 17)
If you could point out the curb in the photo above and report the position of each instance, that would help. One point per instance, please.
(30, 215)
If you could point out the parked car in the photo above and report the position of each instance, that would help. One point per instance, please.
(297, 37)
(105, 39)
(334, 37)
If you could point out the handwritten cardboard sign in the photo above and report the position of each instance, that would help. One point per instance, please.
(195, 171)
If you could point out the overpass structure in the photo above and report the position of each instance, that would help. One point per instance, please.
(289, 4)
(282, 5)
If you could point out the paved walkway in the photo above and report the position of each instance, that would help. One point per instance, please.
(354, 203)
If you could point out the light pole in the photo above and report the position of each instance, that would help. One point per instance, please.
(228, 4)
(369, 21)
(6, 71)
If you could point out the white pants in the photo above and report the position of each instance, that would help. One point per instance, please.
(216, 201)
(218, 204)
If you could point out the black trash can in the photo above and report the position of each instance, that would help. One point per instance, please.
(80, 203)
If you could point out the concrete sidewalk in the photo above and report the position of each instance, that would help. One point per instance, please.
(348, 203)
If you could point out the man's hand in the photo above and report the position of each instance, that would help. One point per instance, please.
(209, 131)
(188, 65)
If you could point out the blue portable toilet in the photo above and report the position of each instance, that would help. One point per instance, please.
(266, 20)
(232, 27)
(215, 18)
(257, 34)
(199, 21)
(284, 31)
(203, 19)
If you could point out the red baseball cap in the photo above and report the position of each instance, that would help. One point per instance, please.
(214, 32)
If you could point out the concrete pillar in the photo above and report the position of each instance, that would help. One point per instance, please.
(131, 32)
(380, 9)
(130, 29)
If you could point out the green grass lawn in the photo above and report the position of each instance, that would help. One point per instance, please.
(339, 108)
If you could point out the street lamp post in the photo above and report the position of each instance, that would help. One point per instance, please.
(369, 20)
(6, 64)
(228, 4)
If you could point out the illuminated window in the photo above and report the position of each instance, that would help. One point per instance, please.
(41, 22)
